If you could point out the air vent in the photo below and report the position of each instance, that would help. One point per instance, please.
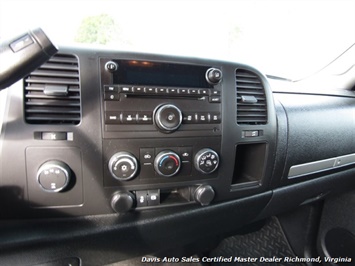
(251, 99)
(52, 92)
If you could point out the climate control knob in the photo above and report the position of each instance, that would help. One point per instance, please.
(123, 166)
(53, 176)
(167, 163)
(168, 118)
(206, 161)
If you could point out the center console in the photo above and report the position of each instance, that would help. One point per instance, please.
(161, 131)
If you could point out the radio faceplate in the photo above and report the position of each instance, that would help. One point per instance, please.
(142, 99)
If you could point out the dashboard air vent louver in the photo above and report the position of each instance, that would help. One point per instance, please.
(52, 92)
(250, 98)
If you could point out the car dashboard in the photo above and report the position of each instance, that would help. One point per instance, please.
(107, 155)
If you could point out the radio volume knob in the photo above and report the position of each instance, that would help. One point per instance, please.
(168, 118)
(206, 161)
(123, 166)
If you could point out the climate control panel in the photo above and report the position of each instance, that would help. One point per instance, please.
(148, 162)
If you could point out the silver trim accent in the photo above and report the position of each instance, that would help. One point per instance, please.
(125, 156)
(321, 165)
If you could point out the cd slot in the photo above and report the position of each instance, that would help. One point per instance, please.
(159, 96)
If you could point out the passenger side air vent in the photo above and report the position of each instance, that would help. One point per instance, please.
(250, 98)
(52, 92)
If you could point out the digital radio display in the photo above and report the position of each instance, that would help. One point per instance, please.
(133, 72)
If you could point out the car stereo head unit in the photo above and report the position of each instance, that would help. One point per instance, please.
(155, 99)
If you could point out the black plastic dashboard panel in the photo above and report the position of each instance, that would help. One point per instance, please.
(250, 183)
(111, 123)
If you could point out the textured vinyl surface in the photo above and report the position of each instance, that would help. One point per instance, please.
(268, 242)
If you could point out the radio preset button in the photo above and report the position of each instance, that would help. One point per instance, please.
(129, 118)
(162, 90)
(215, 118)
(193, 92)
(145, 118)
(150, 90)
(138, 90)
(203, 92)
(112, 118)
(110, 88)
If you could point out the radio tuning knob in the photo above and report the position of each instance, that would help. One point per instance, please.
(213, 76)
(123, 166)
(168, 118)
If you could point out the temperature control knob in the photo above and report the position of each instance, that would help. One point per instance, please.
(168, 118)
(167, 163)
(123, 166)
(206, 161)
(53, 176)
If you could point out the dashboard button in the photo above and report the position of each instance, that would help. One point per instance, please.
(203, 118)
(54, 135)
(183, 92)
(185, 154)
(162, 91)
(145, 118)
(150, 90)
(141, 198)
(203, 92)
(129, 118)
(215, 118)
(153, 197)
(110, 88)
(215, 99)
(189, 118)
(138, 90)
(193, 92)
(112, 118)
(126, 89)
(215, 93)
(111, 96)
(147, 156)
